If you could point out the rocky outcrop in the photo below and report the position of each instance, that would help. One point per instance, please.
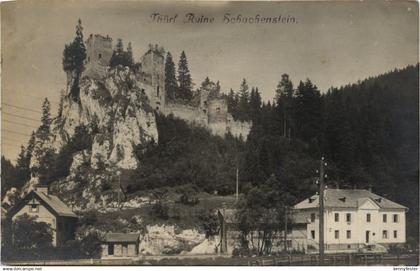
(121, 111)
(166, 240)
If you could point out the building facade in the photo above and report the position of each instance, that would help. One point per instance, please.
(352, 219)
(120, 245)
(49, 209)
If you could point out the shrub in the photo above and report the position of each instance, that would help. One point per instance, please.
(28, 233)
(89, 218)
(160, 210)
(188, 199)
(90, 245)
(210, 223)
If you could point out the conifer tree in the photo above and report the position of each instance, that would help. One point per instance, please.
(44, 130)
(129, 55)
(284, 100)
(171, 84)
(74, 55)
(218, 88)
(184, 79)
(232, 103)
(22, 168)
(308, 111)
(243, 106)
(255, 103)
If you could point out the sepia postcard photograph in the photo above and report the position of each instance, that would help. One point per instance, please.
(209, 133)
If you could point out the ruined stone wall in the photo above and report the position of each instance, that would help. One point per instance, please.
(188, 113)
(98, 55)
(217, 110)
(153, 64)
(238, 128)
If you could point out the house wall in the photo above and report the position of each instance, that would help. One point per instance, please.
(43, 215)
(120, 250)
(357, 226)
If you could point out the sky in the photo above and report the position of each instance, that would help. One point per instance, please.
(331, 43)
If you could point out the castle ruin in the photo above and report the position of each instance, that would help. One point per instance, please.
(212, 112)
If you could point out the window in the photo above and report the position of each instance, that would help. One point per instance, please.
(312, 217)
(348, 234)
(313, 234)
(336, 217)
(110, 249)
(395, 234)
(100, 56)
(367, 217)
(395, 218)
(88, 58)
(33, 208)
(336, 234)
(385, 234)
(157, 91)
(348, 217)
(384, 218)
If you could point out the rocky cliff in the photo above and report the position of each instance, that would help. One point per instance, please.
(117, 113)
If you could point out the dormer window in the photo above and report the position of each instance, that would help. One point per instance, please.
(343, 199)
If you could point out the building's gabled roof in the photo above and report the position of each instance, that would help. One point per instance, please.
(348, 198)
(56, 204)
(51, 202)
(121, 237)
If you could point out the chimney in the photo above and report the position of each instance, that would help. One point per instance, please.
(42, 189)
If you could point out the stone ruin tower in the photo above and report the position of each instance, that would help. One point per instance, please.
(153, 64)
(98, 55)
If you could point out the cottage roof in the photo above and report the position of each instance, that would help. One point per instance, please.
(56, 204)
(121, 237)
(348, 198)
(53, 203)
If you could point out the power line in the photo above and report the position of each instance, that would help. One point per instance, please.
(10, 131)
(9, 145)
(18, 116)
(41, 98)
(19, 123)
(12, 139)
(23, 108)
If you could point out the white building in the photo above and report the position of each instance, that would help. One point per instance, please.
(352, 219)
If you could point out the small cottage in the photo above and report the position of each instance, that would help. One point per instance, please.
(121, 245)
(50, 209)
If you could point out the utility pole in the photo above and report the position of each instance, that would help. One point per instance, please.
(321, 212)
(285, 229)
(237, 184)
(119, 189)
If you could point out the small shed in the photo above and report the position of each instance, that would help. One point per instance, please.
(121, 245)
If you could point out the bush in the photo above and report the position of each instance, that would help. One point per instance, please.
(89, 218)
(210, 223)
(28, 233)
(160, 210)
(188, 199)
(90, 245)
